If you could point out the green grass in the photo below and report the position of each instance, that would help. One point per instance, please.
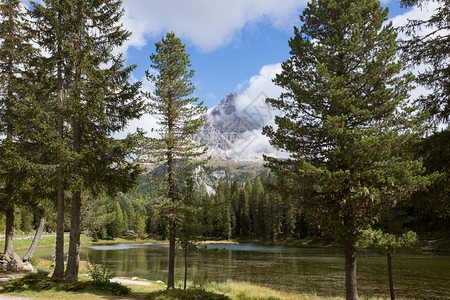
(23, 245)
(232, 289)
(189, 294)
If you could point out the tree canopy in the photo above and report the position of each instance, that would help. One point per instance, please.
(346, 120)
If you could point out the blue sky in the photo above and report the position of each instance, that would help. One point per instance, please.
(235, 45)
(222, 68)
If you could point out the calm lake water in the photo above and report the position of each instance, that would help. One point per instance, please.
(321, 270)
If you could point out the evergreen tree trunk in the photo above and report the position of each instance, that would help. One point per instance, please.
(171, 279)
(9, 230)
(75, 215)
(172, 225)
(59, 249)
(351, 285)
(74, 245)
(185, 264)
(391, 280)
(179, 119)
(36, 239)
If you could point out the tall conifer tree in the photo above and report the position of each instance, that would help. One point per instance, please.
(346, 120)
(51, 23)
(98, 101)
(179, 117)
(16, 54)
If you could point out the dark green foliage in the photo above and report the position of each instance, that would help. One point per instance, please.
(347, 121)
(116, 227)
(254, 210)
(346, 113)
(88, 85)
(38, 282)
(189, 294)
(17, 153)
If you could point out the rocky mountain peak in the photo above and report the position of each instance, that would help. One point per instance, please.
(227, 106)
(223, 126)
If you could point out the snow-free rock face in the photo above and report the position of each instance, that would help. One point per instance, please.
(14, 263)
(223, 126)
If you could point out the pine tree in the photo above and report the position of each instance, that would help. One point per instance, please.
(179, 118)
(431, 49)
(98, 100)
(131, 215)
(116, 227)
(257, 213)
(16, 54)
(346, 122)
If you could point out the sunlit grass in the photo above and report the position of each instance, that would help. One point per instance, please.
(247, 291)
(235, 290)
(24, 244)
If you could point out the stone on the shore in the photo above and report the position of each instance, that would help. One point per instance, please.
(43, 272)
(14, 263)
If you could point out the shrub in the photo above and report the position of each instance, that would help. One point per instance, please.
(38, 282)
(100, 273)
(35, 282)
(101, 276)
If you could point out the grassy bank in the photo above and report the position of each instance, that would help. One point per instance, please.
(46, 242)
(234, 290)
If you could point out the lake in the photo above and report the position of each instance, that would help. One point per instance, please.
(417, 275)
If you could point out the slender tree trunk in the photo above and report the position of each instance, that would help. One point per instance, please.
(351, 285)
(75, 214)
(185, 264)
(73, 261)
(36, 239)
(391, 280)
(74, 246)
(171, 277)
(172, 219)
(9, 230)
(59, 248)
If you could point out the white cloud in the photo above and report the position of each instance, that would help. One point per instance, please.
(416, 13)
(251, 103)
(206, 24)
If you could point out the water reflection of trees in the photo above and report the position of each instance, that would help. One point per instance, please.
(307, 270)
